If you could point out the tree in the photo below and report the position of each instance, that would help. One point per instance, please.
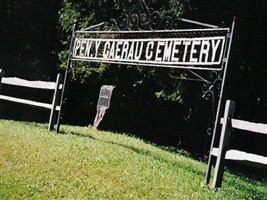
(28, 48)
(90, 13)
(140, 91)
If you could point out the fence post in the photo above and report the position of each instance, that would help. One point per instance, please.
(54, 105)
(224, 143)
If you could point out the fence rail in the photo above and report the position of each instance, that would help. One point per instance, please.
(31, 84)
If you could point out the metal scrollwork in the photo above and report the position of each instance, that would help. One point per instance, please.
(144, 18)
(175, 23)
(133, 20)
(168, 23)
(207, 90)
(122, 21)
(143, 21)
(154, 20)
(211, 88)
(211, 84)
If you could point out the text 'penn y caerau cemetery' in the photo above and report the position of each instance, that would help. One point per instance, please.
(165, 51)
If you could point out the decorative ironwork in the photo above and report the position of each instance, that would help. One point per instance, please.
(212, 85)
(211, 82)
(211, 88)
(144, 18)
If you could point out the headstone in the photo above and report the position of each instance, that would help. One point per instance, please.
(103, 103)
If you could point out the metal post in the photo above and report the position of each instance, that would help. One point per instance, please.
(219, 103)
(94, 26)
(66, 75)
(198, 23)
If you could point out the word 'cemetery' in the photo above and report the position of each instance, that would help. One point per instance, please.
(165, 51)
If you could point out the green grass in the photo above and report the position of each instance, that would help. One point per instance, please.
(83, 163)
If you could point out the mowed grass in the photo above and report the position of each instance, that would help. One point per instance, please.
(83, 163)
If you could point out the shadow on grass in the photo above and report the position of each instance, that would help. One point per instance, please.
(257, 194)
(246, 185)
(238, 169)
(77, 134)
(143, 152)
(248, 170)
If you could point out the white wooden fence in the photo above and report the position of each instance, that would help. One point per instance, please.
(222, 152)
(56, 86)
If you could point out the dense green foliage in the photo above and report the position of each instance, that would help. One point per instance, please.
(89, 13)
(82, 163)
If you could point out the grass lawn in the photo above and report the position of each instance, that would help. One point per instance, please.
(83, 163)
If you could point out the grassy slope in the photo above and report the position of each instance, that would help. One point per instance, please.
(89, 164)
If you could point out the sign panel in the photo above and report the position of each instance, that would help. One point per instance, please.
(181, 52)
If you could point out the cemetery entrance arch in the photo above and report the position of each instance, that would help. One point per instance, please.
(199, 52)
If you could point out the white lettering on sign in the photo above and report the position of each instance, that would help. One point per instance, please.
(160, 51)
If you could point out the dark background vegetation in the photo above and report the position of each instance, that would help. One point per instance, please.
(146, 102)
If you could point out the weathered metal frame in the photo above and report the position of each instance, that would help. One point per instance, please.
(66, 76)
(149, 21)
(218, 113)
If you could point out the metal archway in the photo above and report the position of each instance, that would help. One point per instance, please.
(199, 52)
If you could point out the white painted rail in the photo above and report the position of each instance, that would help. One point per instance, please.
(249, 126)
(29, 102)
(31, 84)
(237, 155)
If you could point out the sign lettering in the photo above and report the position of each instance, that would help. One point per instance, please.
(171, 51)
